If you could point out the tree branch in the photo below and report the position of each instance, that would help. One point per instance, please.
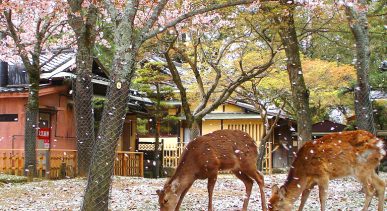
(190, 14)
(12, 32)
(154, 17)
(179, 84)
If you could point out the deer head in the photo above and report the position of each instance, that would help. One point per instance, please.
(277, 201)
(168, 197)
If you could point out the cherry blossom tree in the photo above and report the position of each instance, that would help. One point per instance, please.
(134, 22)
(32, 28)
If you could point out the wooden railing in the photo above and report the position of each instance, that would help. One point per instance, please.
(267, 160)
(129, 164)
(62, 162)
(171, 154)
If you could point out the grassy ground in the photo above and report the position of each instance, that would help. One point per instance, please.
(5, 178)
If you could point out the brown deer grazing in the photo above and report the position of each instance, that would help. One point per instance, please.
(204, 157)
(354, 153)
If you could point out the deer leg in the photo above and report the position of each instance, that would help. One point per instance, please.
(368, 190)
(304, 197)
(379, 185)
(182, 197)
(248, 184)
(323, 190)
(258, 177)
(210, 187)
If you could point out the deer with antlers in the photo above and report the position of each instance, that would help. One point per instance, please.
(202, 159)
(353, 153)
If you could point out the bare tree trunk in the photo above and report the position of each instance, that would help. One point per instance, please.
(268, 130)
(31, 121)
(194, 130)
(157, 141)
(357, 19)
(264, 139)
(157, 149)
(83, 92)
(113, 116)
(300, 94)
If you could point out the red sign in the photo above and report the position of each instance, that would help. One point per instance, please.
(44, 134)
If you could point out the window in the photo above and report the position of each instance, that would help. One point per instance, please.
(8, 117)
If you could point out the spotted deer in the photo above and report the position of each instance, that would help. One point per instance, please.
(353, 153)
(202, 159)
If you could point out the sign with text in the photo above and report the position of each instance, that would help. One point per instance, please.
(44, 134)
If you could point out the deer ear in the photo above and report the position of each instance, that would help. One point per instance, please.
(274, 189)
(282, 192)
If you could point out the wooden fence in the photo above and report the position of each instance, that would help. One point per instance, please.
(58, 163)
(267, 164)
(172, 153)
(129, 164)
(52, 164)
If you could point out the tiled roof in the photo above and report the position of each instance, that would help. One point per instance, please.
(179, 66)
(13, 89)
(60, 67)
(215, 116)
(58, 61)
(272, 111)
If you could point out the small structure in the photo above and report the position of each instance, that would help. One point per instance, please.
(325, 127)
(56, 141)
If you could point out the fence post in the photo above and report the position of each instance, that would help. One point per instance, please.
(125, 162)
(141, 164)
(4, 162)
(62, 170)
(162, 158)
(30, 174)
(48, 161)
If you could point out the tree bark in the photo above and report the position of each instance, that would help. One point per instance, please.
(300, 94)
(268, 130)
(357, 19)
(157, 148)
(104, 152)
(194, 130)
(31, 121)
(83, 94)
(83, 89)
(158, 124)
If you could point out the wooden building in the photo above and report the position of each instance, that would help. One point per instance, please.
(56, 139)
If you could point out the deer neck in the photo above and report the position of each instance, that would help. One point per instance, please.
(182, 179)
(294, 187)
